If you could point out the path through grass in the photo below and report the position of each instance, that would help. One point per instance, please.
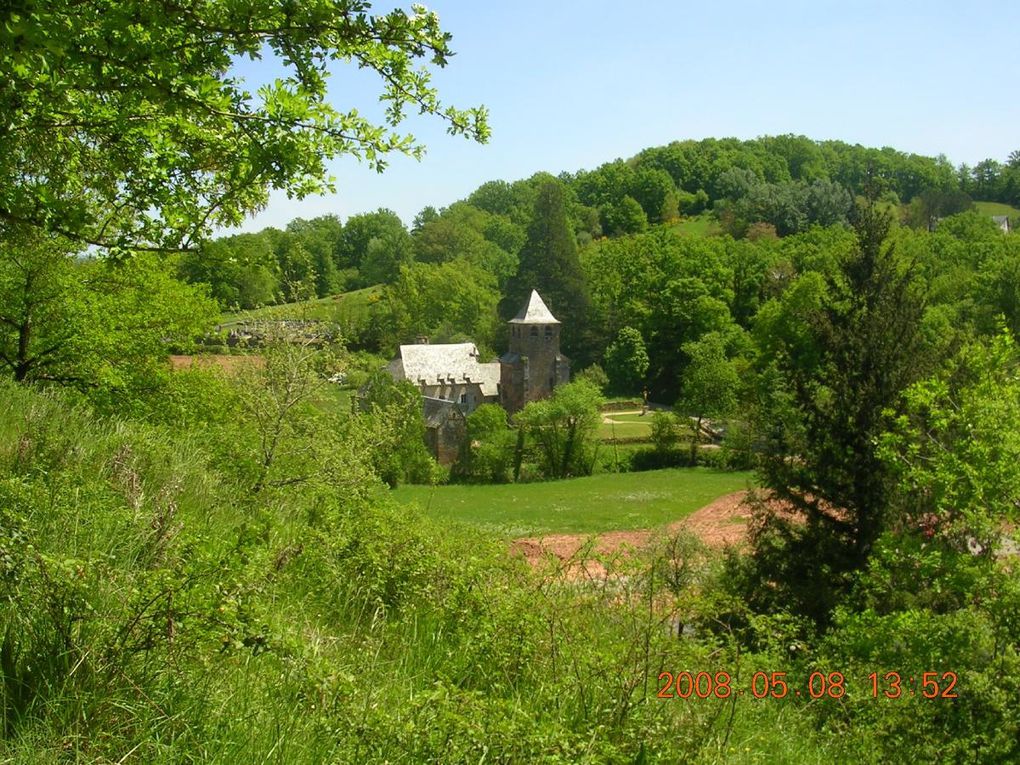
(606, 502)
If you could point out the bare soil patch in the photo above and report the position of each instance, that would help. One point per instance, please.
(721, 523)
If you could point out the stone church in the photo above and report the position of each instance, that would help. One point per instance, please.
(453, 382)
(534, 365)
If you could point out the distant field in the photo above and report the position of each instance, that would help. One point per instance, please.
(347, 307)
(626, 426)
(606, 502)
(996, 208)
(699, 225)
(611, 430)
(644, 419)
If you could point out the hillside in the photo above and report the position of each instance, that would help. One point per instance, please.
(996, 208)
(157, 610)
(347, 307)
(704, 455)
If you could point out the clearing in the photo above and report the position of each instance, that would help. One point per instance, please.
(346, 308)
(704, 224)
(590, 505)
(996, 208)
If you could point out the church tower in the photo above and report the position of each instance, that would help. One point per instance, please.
(534, 365)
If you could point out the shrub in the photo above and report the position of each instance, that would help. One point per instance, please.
(667, 430)
(595, 375)
(487, 453)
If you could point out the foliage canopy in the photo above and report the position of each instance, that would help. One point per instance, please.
(126, 123)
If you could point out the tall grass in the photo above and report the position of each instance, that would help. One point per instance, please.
(155, 610)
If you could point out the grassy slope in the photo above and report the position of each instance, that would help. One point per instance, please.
(357, 610)
(995, 208)
(348, 306)
(610, 501)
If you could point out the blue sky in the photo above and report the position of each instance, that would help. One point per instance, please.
(571, 85)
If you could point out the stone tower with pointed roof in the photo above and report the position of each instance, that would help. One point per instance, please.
(534, 365)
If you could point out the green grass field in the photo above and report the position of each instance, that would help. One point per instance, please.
(606, 502)
(644, 419)
(996, 208)
(699, 225)
(610, 430)
(347, 307)
(626, 426)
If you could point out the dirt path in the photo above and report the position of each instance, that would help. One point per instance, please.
(718, 524)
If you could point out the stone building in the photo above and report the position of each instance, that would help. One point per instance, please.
(445, 429)
(448, 372)
(453, 382)
(534, 365)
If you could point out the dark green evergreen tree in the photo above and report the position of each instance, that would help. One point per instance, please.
(549, 263)
(859, 349)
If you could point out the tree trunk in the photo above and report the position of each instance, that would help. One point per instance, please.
(568, 449)
(518, 454)
(22, 363)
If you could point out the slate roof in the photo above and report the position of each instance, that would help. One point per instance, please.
(438, 411)
(448, 364)
(534, 312)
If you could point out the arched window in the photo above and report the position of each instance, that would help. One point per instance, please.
(534, 331)
(548, 333)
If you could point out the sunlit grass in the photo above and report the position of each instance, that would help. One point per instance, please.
(610, 501)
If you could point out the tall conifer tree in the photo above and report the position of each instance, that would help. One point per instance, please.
(549, 263)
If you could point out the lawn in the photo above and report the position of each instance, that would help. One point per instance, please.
(606, 502)
(626, 426)
(644, 419)
(611, 430)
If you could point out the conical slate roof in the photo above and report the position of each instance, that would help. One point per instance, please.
(534, 312)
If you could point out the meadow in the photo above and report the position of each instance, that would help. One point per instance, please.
(996, 208)
(628, 426)
(347, 307)
(704, 224)
(604, 502)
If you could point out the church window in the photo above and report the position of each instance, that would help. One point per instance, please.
(548, 333)
(534, 331)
